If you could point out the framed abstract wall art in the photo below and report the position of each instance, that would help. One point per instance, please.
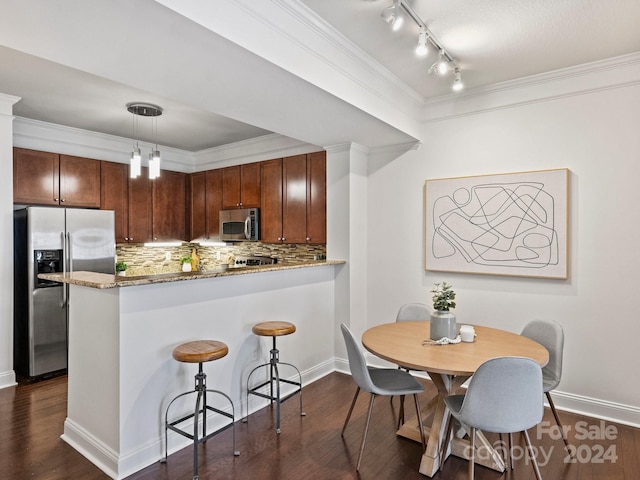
(505, 224)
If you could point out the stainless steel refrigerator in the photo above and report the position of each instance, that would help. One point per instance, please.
(47, 240)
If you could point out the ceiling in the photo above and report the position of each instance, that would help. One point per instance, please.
(492, 41)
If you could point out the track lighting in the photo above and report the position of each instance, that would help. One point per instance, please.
(394, 14)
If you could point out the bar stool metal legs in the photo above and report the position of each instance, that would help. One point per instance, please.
(274, 382)
(199, 352)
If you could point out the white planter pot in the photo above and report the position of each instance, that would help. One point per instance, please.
(186, 267)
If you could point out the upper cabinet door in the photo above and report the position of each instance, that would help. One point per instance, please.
(250, 185)
(241, 186)
(317, 197)
(79, 182)
(294, 204)
(213, 199)
(231, 187)
(114, 180)
(35, 177)
(196, 203)
(169, 206)
(140, 210)
(271, 201)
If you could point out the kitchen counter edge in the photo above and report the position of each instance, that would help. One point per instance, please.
(105, 280)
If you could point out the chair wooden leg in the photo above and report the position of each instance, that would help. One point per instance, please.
(420, 425)
(534, 462)
(353, 403)
(445, 441)
(472, 442)
(510, 439)
(366, 430)
(555, 415)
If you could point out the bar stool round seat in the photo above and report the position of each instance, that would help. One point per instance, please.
(274, 329)
(199, 351)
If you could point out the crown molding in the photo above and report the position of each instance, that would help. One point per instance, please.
(616, 72)
(51, 137)
(7, 102)
(252, 150)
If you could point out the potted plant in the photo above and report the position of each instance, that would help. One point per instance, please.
(186, 263)
(121, 268)
(443, 322)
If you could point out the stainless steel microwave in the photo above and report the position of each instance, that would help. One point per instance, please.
(240, 225)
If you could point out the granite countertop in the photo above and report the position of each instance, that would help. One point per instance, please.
(104, 280)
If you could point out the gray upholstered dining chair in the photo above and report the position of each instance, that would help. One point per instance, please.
(550, 335)
(408, 312)
(413, 311)
(377, 381)
(504, 396)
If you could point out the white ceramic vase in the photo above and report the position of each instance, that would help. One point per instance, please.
(186, 267)
(443, 324)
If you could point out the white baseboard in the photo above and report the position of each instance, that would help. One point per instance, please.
(7, 379)
(94, 450)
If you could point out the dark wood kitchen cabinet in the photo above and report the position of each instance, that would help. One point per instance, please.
(44, 178)
(140, 208)
(293, 199)
(271, 201)
(317, 197)
(205, 204)
(241, 186)
(114, 180)
(169, 210)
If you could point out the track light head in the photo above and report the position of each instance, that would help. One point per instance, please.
(393, 15)
(443, 64)
(457, 84)
(421, 48)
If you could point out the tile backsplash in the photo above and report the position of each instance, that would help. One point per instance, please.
(152, 260)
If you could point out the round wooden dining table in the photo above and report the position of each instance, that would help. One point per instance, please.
(407, 344)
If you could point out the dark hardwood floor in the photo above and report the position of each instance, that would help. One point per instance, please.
(310, 447)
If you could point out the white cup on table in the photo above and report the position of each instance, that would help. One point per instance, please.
(467, 333)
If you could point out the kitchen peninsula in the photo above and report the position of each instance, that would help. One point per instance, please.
(122, 331)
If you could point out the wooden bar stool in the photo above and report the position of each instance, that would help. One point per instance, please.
(274, 329)
(198, 352)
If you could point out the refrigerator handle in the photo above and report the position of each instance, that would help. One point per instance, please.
(70, 253)
(63, 236)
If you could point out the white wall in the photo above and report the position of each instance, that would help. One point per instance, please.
(7, 376)
(593, 133)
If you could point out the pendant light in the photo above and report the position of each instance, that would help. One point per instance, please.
(139, 109)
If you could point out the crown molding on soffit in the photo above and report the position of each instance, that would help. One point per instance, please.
(50, 137)
(567, 82)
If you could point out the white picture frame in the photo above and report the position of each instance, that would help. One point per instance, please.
(503, 224)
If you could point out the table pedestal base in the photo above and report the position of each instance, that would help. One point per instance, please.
(435, 433)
